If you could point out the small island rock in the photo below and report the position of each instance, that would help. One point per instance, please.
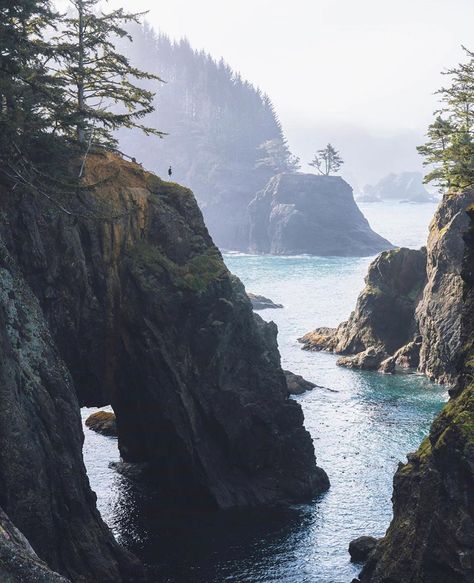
(103, 422)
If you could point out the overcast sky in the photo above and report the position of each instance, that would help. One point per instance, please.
(368, 66)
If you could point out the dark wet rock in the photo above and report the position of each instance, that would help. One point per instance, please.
(148, 319)
(360, 548)
(305, 213)
(18, 561)
(297, 385)
(262, 303)
(103, 422)
(431, 536)
(384, 319)
(43, 483)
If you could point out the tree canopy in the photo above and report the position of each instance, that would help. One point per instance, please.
(29, 91)
(449, 149)
(101, 90)
(327, 160)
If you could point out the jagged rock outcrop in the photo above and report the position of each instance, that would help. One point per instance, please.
(148, 318)
(296, 384)
(262, 303)
(305, 213)
(361, 547)
(409, 313)
(18, 561)
(384, 318)
(431, 537)
(43, 483)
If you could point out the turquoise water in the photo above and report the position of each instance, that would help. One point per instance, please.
(360, 432)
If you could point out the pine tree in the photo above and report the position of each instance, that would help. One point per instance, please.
(277, 157)
(102, 96)
(327, 160)
(449, 149)
(29, 93)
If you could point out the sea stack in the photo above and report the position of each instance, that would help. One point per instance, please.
(304, 213)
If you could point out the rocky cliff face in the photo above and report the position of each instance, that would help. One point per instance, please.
(384, 318)
(43, 483)
(409, 313)
(147, 317)
(305, 213)
(439, 311)
(18, 561)
(431, 537)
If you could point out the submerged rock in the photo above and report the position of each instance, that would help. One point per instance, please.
(103, 422)
(305, 213)
(431, 536)
(360, 548)
(148, 318)
(296, 384)
(262, 303)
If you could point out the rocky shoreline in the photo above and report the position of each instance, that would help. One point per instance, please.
(407, 316)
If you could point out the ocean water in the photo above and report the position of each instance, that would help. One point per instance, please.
(362, 428)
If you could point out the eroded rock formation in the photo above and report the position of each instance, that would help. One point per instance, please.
(431, 537)
(147, 317)
(305, 213)
(384, 318)
(409, 313)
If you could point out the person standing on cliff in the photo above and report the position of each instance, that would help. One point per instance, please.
(170, 171)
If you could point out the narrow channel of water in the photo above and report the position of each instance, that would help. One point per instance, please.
(361, 432)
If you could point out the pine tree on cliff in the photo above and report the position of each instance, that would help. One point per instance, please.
(449, 149)
(29, 93)
(276, 156)
(102, 94)
(327, 160)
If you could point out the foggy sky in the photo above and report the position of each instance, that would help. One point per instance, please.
(370, 66)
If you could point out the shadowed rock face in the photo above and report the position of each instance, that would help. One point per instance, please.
(431, 537)
(18, 561)
(148, 318)
(305, 213)
(43, 483)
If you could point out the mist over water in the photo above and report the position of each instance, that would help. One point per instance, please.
(361, 432)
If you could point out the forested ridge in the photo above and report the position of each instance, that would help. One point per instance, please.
(224, 138)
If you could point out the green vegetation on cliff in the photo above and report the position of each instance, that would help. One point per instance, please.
(450, 145)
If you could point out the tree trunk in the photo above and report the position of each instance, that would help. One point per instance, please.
(81, 136)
